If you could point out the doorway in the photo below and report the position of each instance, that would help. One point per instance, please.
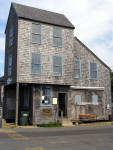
(62, 104)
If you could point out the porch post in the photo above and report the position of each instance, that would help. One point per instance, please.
(17, 102)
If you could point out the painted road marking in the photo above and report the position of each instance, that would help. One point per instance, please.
(13, 134)
(35, 148)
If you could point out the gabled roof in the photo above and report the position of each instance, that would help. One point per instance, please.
(92, 53)
(40, 15)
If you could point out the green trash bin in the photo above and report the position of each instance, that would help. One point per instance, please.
(24, 118)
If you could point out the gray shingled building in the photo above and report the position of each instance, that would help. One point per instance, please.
(49, 71)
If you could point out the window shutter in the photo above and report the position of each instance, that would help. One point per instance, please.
(57, 65)
(36, 33)
(57, 36)
(36, 63)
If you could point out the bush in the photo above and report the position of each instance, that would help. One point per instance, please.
(51, 124)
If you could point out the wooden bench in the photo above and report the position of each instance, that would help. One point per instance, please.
(87, 117)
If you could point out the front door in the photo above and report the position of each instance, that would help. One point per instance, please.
(62, 104)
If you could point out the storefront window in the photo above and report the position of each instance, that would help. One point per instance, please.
(46, 96)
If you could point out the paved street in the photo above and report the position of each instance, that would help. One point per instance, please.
(70, 138)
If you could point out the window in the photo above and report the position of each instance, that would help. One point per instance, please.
(77, 73)
(57, 36)
(93, 70)
(36, 63)
(9, 65)
(57, 65)
(77, 99)
(11, 34)
(95, 99)
(36, 33)
(46, 96)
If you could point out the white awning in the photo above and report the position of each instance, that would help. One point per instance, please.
(86, 88)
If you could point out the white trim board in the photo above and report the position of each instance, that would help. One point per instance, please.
(86, 88)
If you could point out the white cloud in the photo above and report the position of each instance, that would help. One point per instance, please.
(93, 20)
(104, 52)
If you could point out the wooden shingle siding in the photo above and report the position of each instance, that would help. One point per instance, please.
(47, 50)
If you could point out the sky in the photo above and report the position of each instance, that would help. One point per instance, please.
(93, 21)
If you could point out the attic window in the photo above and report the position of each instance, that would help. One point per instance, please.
(57, 36)
(77, 69)
(11, 34)
(93, 70)
(36, 33)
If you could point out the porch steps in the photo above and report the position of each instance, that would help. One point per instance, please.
(67, 123)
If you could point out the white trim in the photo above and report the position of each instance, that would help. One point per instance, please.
(87, 103)
(86, 88)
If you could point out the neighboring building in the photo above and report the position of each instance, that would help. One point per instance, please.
(45, 62)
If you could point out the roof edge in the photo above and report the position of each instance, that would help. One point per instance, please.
(45, 22)
(92, 53)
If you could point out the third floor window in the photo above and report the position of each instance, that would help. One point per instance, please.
(11, 34)
(36, 33)
(93, 70)
(57, 36)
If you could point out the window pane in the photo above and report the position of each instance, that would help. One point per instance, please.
(93, 70)
(36, 38)
(57, 64)
(77, 68)
(46, 96)
(36, 28)
(57, 36)
(95, 99)
(10, 60)
(36, 59)
(77, 99)
(36, 63)
(57, 41)
(9, 65)
(11, 32)
(57, 32)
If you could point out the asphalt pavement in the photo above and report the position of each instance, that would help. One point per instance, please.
(68, 138)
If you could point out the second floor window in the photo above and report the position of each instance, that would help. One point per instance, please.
(57, 36)
(77, 99)
(35, 33)
(95, 99)
(35, 63)
(11, 34)
(93, 70)
(57, 65)
(77, 72)
(9, 65)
